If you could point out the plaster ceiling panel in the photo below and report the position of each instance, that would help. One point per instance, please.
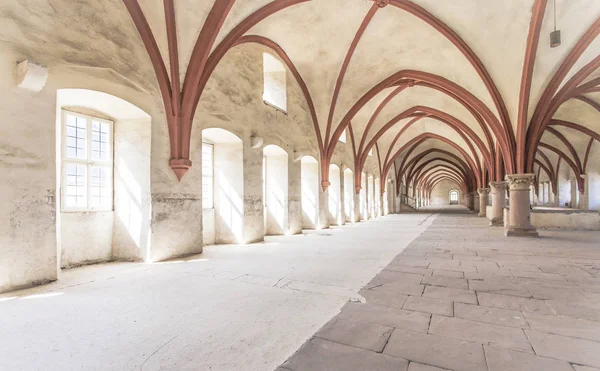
(190, 16)
(590, 53)
(580, 113)
(552, 140)
(240, 10)
(396, 40)
(97, 34)
(483, 26)
(154, 12)
(316, 42)
(573, 19)
(577, 140)
(425, 146)
(422, 96)
(430, 126)
(362, 117)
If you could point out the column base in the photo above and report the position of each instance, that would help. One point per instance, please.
(481, 214)
(497, 222)
(520, 232)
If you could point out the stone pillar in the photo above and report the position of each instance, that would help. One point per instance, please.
(323, 222)
(584, 197)
(470, 201)
(476, 202)
(498, 190)
(519, 215)
(356, 207)
(483, 198)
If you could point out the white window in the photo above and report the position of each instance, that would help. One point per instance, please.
(343, 136)
(453, 196)
(371, 152)
(87, 171)
(275, 89)
(207, 176)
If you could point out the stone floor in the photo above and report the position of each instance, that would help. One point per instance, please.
(463, 297)
(245, 308)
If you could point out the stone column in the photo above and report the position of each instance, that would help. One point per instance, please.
(483, 197)
(356, 196)
(470, 201)
(475, 202)
(498, 190)
(519, 215)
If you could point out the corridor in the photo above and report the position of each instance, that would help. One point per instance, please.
(461, 297)
(246, 307)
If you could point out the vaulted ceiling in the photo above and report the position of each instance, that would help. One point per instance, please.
(469, 86)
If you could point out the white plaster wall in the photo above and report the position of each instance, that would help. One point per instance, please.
(593, 181)
(276, 194)
(589, 221)
(440, 194)
(229, 193)
(132, 196)
(28, 254)
(335, 196)
(208, 226)
(86, 238)
(310, 194)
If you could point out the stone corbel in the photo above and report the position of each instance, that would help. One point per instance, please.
(256, 142)
(31, 76)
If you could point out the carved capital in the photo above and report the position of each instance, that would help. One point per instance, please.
(483, 192)
(519, 182)
(497, 187)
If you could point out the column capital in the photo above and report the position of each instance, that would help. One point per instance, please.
(483, 191)
(498, 186)
(519, 182)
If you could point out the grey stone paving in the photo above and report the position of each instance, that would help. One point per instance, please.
(463, 297)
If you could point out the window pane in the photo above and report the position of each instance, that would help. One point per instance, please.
(207, 175)
(274, 74)
(100, 141)
(101, 187)
(76, 137)
(75, 190)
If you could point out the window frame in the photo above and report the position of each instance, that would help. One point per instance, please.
(212, 177)
(342, 137)
(454, 192)
(285, 70)
(88, 163)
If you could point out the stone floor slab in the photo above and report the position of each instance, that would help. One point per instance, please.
(322, 355)
(445, 273)
(398, 287)
(513, 302)
(483, 333)
(501, 359)
(390, 317)
(497, 316)
(580, 351)
(428, 305)
(383, 299)
(450, 294)
(564, 325)
(457, 283)
(414, 366)
(437, 351)
(365, 335)
(583, 310)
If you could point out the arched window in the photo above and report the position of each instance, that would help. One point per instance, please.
(453, 197)
(274, 73)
